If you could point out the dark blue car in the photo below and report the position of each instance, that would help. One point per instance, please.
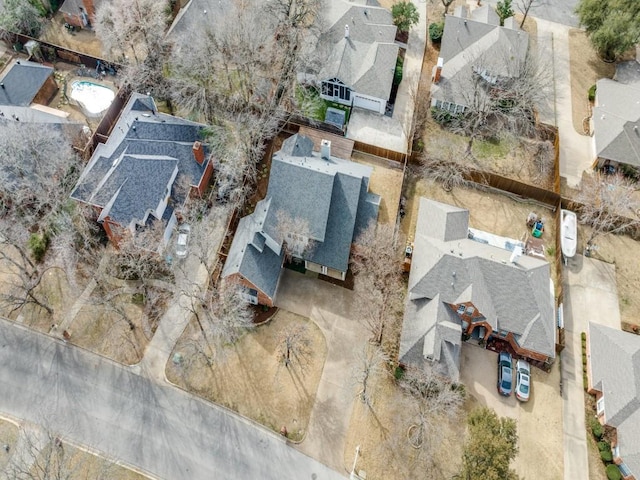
(505, 374)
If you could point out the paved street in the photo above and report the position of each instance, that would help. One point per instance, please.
(560, 11)
(161, 430)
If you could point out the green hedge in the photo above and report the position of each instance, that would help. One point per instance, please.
(435, 31)
(597, 429)
(38, 244)
(606, 456)
(592, 93)
(613, 472)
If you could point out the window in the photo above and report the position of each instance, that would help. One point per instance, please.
(600, 406)
(336, 89)
(460, 310)
(470, 311)
(323, 270)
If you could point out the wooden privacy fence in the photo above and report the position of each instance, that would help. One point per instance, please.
(52, 52)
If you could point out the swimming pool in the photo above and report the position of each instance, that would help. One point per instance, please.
(93, 98)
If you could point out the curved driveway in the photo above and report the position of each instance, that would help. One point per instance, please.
(158, 429)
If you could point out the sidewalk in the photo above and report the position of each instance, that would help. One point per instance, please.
(576, 151)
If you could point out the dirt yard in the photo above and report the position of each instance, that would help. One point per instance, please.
(8, 436)
(251, 379)
(83, 41)
(624, 252)
(491, 212)
(586, 68)
(385, 451)
(386, 181)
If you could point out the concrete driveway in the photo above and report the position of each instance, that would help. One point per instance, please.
(590, 294)
(329, 306)
(160, 430)
(539, 420)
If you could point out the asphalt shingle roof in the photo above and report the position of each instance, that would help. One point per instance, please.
(22, 83)
(616, 121)
(452, 268)
(366, 60)
(478, 41)
(331, 195)
(615, 371)
(128, 175)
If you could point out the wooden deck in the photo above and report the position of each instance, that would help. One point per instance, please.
(340, 147)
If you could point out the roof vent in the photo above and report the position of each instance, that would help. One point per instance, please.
(325, 149)
(346, 31)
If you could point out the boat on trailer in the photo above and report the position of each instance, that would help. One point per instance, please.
(569, 237)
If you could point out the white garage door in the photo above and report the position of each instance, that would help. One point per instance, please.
(368, 103)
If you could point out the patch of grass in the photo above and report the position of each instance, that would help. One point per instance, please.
(494, 147)
(310, 103)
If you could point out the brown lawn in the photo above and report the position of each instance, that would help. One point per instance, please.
(251, 380)
(84, 41)
(586, 68)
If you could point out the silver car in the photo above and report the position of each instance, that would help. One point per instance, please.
(183, 240)
(523, 380)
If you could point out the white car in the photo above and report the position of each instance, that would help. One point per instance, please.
(523, 380)
(183, 240)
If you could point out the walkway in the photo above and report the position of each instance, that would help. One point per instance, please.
(576, 151)
(158, 429)
(329, 307)
(590, 295)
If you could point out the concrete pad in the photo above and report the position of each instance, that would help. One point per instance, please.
(539, 420)
(375, 129)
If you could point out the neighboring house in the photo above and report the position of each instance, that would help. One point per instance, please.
(613, 372)
(80, 13)
(362, 55)
(616, 118)
(463, 287)
(330, 194)
(475, 44)
(25, 83)
(149, 165)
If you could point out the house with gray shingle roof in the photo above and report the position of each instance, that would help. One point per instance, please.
(135, 178)
(613, 372)
(362, 55)
(474, 45)
(27, 82)
(328, 194)
(616, 118)
(459, 287)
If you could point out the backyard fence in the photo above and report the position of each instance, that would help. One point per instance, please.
(53, 53)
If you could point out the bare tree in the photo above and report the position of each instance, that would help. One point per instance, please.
(609, 204)
(446, 4)
(377, 279)
(525, 5)
(222, 314)
(432, 398)
(445, 162)
(295, 235)
(294, 347)
(43, 455)
(500, 91)
(371, 363)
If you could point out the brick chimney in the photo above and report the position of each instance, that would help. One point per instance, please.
(438, 70)
(198, 152)
(325, 149)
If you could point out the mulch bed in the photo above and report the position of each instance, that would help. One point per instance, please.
(346, 283)
(260, 315)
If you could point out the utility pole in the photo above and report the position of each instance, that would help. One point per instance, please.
(353, 475)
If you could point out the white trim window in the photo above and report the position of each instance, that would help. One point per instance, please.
(600, 406)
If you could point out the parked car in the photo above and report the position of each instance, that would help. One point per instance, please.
(183, 240)
(523, 380)
(505, 374)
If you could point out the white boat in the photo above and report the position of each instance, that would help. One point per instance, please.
(569, 237)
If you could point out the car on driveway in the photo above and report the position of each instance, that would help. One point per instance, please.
(505, 374)
(183, 240)
(523, 380)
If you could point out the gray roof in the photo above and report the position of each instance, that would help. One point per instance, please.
(477, 41)
(366, 60)
(616, 121)
(128, 176)
(23, 82)
(628, 72)
(615, 371)
(250, 256)
(449, 267)
(330, 195)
